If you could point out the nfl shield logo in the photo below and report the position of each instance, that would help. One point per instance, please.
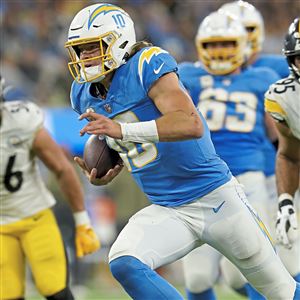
(107, 108)
(90, 109)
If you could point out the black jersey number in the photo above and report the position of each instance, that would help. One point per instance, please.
(12, 180)
(284, 85)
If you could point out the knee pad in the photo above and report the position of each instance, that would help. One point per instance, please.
(65, 294)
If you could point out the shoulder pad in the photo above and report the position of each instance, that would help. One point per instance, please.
(27, 115)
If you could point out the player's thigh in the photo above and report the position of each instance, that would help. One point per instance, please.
(12, 267)
(156, 236)
(255, 187)
(45, 251)
(231, 274)
(201, 268)
(235, 230)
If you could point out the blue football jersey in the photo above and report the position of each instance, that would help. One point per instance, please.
(278, 64)
(270, 157)
(233, 106)
(275, 62)
(170, 173)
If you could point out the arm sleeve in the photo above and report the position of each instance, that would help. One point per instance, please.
(273, 106)
(31, 119)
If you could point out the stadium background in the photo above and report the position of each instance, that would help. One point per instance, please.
(33, 58)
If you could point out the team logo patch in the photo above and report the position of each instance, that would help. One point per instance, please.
(14, 140)
(104, 9)
(107, 108)
(90, 109)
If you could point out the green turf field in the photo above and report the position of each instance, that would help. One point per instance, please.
(117, 294)
(99, 284)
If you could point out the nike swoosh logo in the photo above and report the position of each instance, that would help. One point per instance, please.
(218, 208)
(156, 71)
(36, 218)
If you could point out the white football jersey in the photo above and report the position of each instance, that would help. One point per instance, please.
(22, 191)
(282, 101)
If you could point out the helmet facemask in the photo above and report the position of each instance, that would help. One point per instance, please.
(85, 70)
(220, 60)
(254, 39)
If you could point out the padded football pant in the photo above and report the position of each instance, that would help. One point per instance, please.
(159, 235)
(38, 239)
(289, 257)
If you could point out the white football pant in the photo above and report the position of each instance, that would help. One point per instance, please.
(159, 235)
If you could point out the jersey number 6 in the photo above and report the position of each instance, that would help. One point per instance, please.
(12, 180)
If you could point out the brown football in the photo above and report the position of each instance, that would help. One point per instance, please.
(98, 155)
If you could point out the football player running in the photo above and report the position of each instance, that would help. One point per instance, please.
(28, 229)
(253, 22)
(282, 101)
(148, 117)
(231, 99)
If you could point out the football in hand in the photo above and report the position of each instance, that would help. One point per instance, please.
(98, 155)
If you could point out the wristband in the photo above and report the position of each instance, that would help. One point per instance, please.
(285, 196)
(81, 218)
(140, 132)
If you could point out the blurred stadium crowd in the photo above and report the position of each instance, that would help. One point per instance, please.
(34, 32)
(33, 58)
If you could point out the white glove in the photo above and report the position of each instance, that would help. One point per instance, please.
(286, 224)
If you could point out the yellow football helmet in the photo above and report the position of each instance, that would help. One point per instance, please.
(221, 28)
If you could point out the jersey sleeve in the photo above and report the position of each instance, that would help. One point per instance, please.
(184, 73)
(279, 65)
(74, 96)
(153, 63)
(28, 119)
(265, 77)
(272, 104)
(36, 118)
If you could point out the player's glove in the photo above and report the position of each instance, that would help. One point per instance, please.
(286, 224)
(86, 240)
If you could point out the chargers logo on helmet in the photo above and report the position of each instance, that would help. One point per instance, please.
(104, 9)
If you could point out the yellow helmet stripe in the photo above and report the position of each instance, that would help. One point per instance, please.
(274, 107)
